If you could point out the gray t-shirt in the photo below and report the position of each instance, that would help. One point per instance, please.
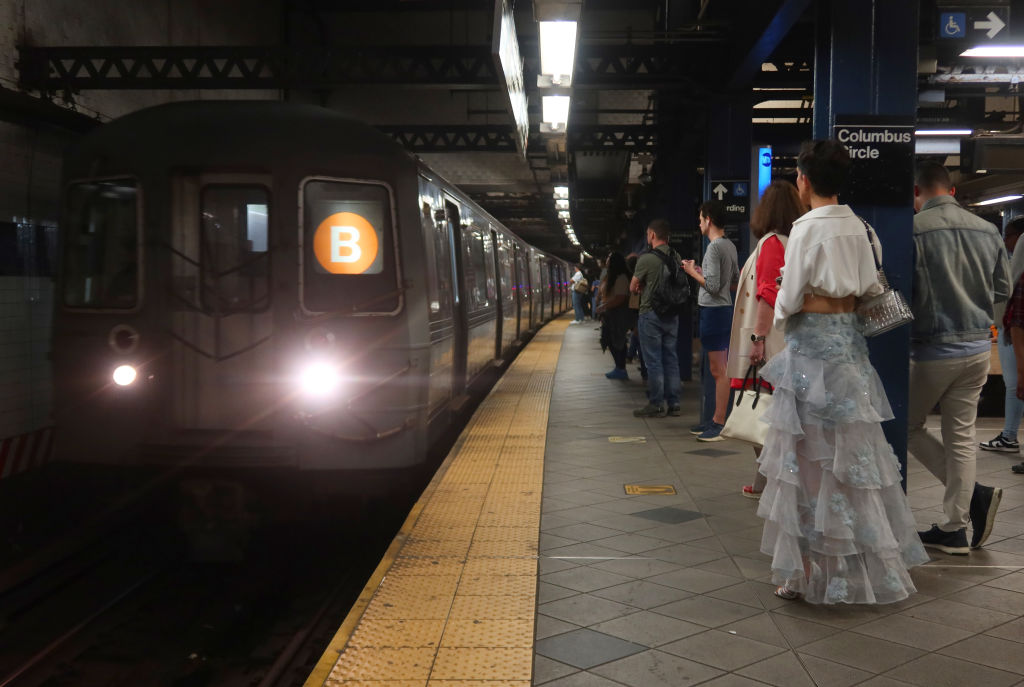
(720, 269)
(648, 271)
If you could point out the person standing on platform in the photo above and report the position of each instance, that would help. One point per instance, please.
(754, 341)
(614, 312)
(837, 525)
(1013, 407)
(657, 334)
(579, 294)
(718, 271)
(960, 273)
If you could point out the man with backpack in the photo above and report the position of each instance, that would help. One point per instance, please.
(663, 292)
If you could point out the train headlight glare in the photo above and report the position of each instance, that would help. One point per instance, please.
(319, 379)
(124, 375)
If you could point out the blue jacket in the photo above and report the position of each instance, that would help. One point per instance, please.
(960, 271)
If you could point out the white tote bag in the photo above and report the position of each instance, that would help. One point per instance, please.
(744, 422)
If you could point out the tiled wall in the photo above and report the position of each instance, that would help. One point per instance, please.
(26, 305)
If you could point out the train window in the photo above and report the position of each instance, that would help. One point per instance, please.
(348, 260)
(479, 280)
(438, 258)
(234, 257)
(101, 246)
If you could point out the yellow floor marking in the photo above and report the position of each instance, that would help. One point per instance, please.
(453, 600)
(649, 489)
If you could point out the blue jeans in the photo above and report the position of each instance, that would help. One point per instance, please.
(1014, 407)
(658, 342)
(577, 304)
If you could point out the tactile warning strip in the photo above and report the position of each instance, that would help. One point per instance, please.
(454, 599)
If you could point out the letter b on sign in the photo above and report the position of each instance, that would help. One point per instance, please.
(345, 243)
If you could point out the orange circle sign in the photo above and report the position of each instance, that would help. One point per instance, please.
(345, 243)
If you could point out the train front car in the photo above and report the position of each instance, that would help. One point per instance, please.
(233, 293)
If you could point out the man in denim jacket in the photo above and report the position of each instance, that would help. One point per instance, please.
(960, 272)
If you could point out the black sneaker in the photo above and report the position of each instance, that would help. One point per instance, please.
(650, 410)
(1001, 444)
(984, 504)
(1017, 469)
(674, 411)
(954, 543)
(698, 429)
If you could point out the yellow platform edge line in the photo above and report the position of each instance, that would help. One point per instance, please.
(320, 674)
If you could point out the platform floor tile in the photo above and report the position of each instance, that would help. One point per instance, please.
(683, 578)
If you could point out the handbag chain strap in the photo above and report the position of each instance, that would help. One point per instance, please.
(878, 265)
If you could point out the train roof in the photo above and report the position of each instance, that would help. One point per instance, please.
(230, 132)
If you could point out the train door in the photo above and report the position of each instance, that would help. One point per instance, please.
(220, 322)
(461, 315)
(523, 290)
(500, 287)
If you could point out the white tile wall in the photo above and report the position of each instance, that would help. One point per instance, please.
(26, 307)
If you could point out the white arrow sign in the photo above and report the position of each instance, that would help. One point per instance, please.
(720, 191)
(994, 25)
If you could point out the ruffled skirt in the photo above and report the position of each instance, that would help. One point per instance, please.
(837, 523)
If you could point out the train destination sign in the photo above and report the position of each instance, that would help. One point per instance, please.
(882, 156)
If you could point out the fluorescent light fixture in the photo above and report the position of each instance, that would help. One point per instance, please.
(563, 214)
(1000, 199)
(558, 50)
(555, 109)
(562, 204)
(562, 192)
(943, 132)
(994, 51)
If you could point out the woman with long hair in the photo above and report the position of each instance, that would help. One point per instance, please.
(615, 310)
(753, 340)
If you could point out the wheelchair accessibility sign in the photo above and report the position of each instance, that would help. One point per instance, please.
(953, 24)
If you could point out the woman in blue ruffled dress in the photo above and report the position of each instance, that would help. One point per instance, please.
(837, 523)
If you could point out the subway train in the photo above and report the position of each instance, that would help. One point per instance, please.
(251, 285)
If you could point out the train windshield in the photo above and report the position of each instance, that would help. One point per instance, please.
(101, 245)
(348, 250)
(236, 271)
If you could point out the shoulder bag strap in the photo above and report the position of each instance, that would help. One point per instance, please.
(871, 244)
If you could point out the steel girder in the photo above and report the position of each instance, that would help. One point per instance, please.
(500, 138)
(252, 67)
(55, 69)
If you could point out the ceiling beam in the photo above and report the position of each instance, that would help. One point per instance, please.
(786, 16)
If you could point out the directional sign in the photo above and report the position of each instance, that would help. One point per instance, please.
(980, 24)
(735, 197)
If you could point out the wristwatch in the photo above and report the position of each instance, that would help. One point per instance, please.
(755, 338)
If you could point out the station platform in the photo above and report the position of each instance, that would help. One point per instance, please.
(528, 561)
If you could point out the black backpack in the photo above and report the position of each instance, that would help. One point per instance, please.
(673, 291)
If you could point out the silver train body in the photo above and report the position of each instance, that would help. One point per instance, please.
(262, 284)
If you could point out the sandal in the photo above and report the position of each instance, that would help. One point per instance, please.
(748, 491)
(786, 593)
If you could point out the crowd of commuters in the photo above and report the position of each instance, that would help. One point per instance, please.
(837, 522)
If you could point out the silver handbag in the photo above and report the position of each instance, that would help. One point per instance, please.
(889, 309)
(744, 422)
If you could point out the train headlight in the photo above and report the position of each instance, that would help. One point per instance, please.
(319, 379)
(125, 375)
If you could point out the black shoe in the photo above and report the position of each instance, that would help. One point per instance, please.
(954, 543)
(650, 410)
(674, 411)
(984, 504)
(1017, 469)
(1001, 444)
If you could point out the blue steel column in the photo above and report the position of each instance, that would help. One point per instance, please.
(730, 137)
(866, 63)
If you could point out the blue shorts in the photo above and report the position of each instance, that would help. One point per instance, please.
(715, 328)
